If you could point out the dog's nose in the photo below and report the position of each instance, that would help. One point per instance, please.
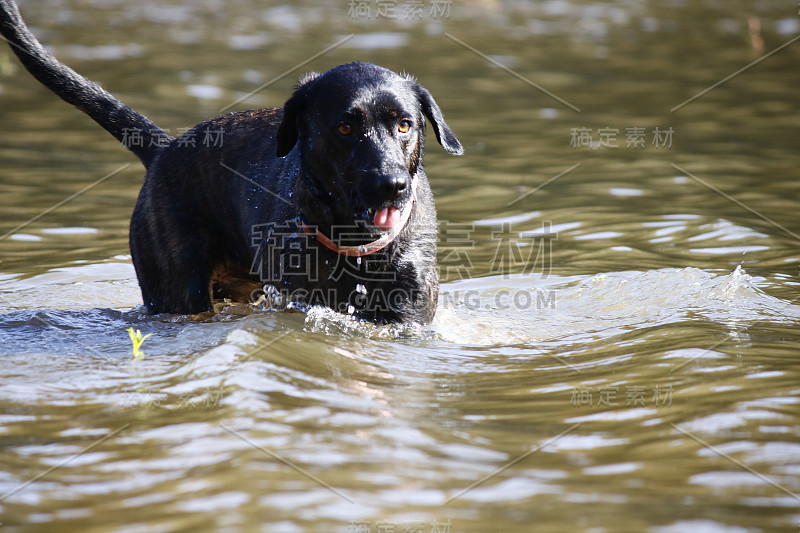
(390, 186)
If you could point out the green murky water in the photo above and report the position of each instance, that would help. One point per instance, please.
(617, 340)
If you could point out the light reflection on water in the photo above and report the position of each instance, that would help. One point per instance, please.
(618, 353)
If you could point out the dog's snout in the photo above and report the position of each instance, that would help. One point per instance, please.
(390, 186)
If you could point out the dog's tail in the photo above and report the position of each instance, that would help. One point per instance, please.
(135, 131)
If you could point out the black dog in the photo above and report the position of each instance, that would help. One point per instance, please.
(321, 202)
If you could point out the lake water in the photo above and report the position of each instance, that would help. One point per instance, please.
(616, 346)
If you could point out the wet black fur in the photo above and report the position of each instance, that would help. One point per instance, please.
(220, 219)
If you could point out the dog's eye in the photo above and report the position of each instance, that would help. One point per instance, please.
(345, 128)
(404, 126)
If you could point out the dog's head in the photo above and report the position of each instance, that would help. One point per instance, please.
(359, 132)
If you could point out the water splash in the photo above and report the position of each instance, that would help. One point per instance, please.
(498, 311)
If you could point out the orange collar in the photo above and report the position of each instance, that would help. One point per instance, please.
(371, 247)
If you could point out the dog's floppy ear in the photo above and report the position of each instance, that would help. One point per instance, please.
(287, 132)
(431, 110)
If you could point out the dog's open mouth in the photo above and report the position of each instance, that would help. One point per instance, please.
(387, 218)
(390, 221)
(392, 218)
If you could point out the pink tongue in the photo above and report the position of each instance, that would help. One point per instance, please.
(386, 218)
